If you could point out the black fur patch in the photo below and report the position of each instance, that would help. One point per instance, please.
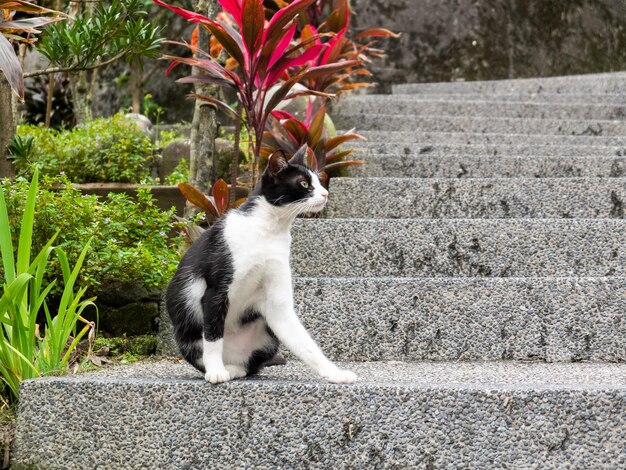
(208, 258)
(261, 356)
(249, 316)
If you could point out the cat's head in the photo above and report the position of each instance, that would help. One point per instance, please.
(291, 184)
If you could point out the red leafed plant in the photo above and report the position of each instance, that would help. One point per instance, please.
(215, 205)
(328, 20)
(325, 156)
(264, 52)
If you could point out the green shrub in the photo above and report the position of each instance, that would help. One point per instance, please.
(111, 149)
(130, 236)
(28, 349)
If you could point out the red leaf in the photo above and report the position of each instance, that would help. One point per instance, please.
(298, 131)
(280, 94)
(311, 159)
(316, 128)
(285, 63)
(188, 15)
(376, 32)
(207, 79)
(282, 46)
(283, 138)
(334, 142)
(330, 69)
(230, 40)
(233, 7)
(253, 21)
(283, 16)
(220, 196)
(197, 199)
(219, 104)
(337, 165)
(171, 67)
(280, 114)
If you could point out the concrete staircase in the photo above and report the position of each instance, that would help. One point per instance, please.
(473, 273)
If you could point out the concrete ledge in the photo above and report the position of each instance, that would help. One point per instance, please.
(475, 166)
(461, 319)
(536, 98)
(477, 197)
(460, 150)
(416, 415)
(459, 247)
(488, 137)
(484, 125)
(374, 105)
(614, 82)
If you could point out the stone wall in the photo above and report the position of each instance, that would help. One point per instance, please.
(444, 40)
(441, 40)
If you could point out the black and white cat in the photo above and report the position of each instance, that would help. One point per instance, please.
(231, 299)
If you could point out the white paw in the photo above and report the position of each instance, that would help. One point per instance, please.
(339, 376)
(217, 376)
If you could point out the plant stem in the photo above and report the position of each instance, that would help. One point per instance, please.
(49, 99)
(234, 166)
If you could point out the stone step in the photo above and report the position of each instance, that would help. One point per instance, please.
(459, 247)
(486, 198)
(475, 166)
(538, 98)
(552, 319)
(580, 84)
(484, 125)
(377, 138)
(374, 105)
(400, 415)
(461, 150)
(413, 319)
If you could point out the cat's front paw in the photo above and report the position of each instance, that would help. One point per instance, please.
(217, 376)
(339, 376)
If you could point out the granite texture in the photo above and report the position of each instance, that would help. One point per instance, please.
(614, 99)
(475, 166)
(459, 247)
(419, 415)
(461, 319)
(488, 137)
(477, 198)
(579, 84)
(461, 149)
(374, 105)
(481, 125)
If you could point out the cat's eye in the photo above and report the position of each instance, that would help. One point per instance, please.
(304, 184)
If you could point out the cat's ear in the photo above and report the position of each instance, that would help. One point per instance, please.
(277, 163)
(300, 157)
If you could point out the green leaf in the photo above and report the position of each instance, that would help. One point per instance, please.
(6, 245)
(26, 229)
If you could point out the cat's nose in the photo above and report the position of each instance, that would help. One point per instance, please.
(325, 194)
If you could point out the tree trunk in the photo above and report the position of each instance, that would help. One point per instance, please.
(204, 125)
(81, 97)
(136, 83)
(7, 127)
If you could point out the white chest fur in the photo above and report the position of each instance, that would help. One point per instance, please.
(259, 242)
